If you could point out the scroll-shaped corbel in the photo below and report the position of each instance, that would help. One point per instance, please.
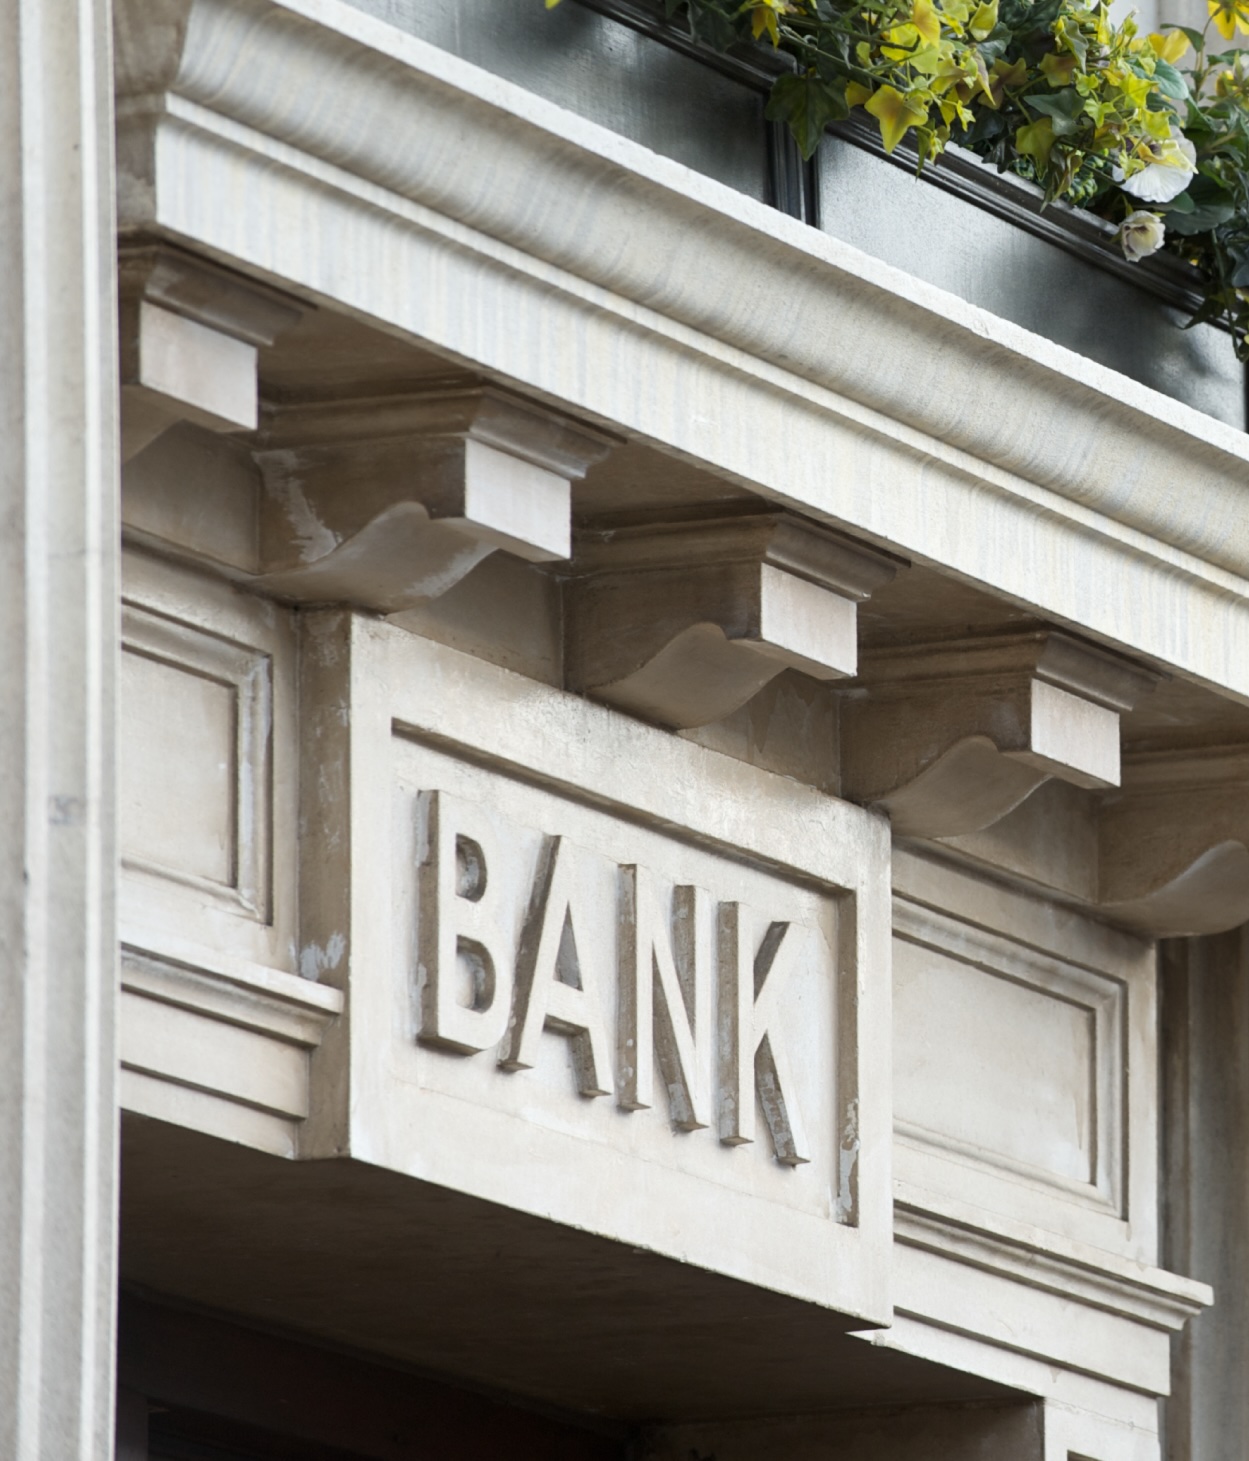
(950, 737)
(1174, 842)
(390, 501)
(683, 622)
(190, 334)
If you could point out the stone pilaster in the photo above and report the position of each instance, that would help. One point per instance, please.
(58, 532)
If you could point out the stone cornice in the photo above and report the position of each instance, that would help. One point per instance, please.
(785, 360)
(1151, 1296)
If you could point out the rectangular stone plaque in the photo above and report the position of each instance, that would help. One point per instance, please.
(1024, 1060)
(601, 974)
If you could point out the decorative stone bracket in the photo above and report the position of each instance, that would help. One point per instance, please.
(682, 622)
(948, 738)
(190, 335)
(388, 502)
(1174, 844)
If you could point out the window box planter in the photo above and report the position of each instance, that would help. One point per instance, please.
(982, 235)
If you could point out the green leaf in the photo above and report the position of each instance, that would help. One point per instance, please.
(1182, 203)
(1062, 107)
(996, 43)
(1211, 205)
(1035, 141)
(708, 23)
(1211, 309)
(1203, 218)
(1170, 81)
(807, 103)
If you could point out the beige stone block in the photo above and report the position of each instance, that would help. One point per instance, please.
(951, 737)
(190, 331)
(389, 502)
(682, 622)
(1174, 843)
(570, 935)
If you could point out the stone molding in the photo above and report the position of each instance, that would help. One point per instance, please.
(388, 502)
(681, 622)
(1127, 1312)
(190, 333)
(948, 416)
(1174, 843)
(1151, 1296)
(950, 737)
(219, 1044)
(1165, 853)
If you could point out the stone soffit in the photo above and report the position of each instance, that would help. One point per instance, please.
(677, 313)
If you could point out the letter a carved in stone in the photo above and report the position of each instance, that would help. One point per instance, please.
(665, 999)
(463, 948)
(552, 990)
(751, 1051)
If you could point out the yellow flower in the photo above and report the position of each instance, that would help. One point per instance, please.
(763, 15)
(1169, 47)
(1229, 15)
(896, 113)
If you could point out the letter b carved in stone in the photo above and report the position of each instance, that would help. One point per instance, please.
(465, 949)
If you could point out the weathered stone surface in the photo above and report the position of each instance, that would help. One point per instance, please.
(434, 969)
(682, 622)
(58, 585)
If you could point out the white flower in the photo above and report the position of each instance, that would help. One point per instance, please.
(1173, 167)
(1140, 235)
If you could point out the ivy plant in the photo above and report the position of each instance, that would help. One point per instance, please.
(1151, 132)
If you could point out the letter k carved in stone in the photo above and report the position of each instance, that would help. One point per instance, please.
(751, 1052)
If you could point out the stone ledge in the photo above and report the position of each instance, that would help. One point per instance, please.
(1043, 1260)
(792, 404)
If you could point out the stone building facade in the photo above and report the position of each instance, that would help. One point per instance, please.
(626, 830)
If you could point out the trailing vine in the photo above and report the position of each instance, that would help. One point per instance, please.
(1150, 132)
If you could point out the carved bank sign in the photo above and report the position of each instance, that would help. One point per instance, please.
(600, 973)
(695, 989)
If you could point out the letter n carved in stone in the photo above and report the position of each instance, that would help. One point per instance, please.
(665, 999)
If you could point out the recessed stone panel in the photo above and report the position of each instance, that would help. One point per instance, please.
(1024, 1062)
(185, 763)
(195, 785)
(1022, 1092)
(206, 802)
